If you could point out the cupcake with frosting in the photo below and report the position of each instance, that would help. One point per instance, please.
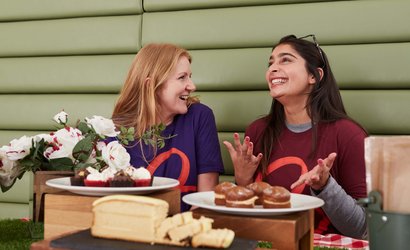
(141, 176)
(121, 179)
(96, 178)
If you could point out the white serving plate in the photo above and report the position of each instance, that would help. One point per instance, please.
(299, 202)
(159, 183)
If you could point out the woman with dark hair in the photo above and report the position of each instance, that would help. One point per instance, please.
(307, 143)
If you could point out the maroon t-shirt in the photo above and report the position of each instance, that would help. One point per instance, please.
(290, 159)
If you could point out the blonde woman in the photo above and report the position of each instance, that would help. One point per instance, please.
(158, 90)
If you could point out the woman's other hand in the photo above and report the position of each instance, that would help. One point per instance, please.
(244, 162)
(318, 176)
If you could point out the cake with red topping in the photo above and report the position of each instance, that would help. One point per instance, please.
(122, 179)
(79, 176)
(96, 178)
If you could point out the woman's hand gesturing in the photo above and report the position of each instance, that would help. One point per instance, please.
(244, 162)
(318, 176)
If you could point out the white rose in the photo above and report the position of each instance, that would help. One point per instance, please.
(47, 138)
(58, 152)
(65, 140)
(6, 164)
(67, 137)
(102, 126)
(19, 148)
(61, 118)
(9, 169)
(116, 156)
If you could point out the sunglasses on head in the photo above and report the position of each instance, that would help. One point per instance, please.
(317, 46)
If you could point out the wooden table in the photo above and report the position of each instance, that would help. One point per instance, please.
(40, 189)
(286, 232)
(66, 212)
(292, 231)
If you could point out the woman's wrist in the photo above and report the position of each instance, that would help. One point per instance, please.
(318, 190)
(243, 181)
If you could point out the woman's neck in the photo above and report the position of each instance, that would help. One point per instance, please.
(296, 114)
(164, 120)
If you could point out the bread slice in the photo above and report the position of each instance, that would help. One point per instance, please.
(187, 230)
(144, 219)
(127, 217)
(217, 238)
(173, 222)
(178, 229)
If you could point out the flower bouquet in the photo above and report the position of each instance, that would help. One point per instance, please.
(68, 148)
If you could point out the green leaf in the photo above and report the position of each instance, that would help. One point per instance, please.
(151, 141)
(84, 128)
(123, 130)
(264, 244)
(83, 149)
(30, 164)
(161, 143)
(154, 137)
(131, 131)
(161, 127)
(126, 135)
(60, 164)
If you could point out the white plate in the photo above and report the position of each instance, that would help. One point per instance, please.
(159, 183)
(299, 202)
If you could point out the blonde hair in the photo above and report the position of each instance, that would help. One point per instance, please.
(137, 103)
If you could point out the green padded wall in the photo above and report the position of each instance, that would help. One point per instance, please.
(166, 5)
(16, 10)
(333, 22)
(73, 36)
(74, 55)
(63, 74)
(55, 55)
(17, 202)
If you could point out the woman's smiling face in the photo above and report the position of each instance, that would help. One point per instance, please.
(173, 94)
(287, 76)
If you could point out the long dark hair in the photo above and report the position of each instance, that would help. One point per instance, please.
(324, 103)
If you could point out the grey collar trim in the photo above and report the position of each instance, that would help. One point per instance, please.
(299, 128)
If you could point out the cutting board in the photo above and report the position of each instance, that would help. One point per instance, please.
(387, 170)
(83, 240)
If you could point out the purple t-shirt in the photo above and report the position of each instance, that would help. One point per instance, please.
(193, 150)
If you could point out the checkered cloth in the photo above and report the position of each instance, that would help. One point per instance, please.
(340, 241)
